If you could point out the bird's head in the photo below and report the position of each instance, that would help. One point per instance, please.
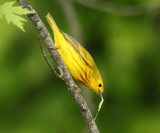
(96, 84)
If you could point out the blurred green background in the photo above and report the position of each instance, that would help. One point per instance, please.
(124, 39)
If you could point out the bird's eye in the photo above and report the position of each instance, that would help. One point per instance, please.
(100, 85)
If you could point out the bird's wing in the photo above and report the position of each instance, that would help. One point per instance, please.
(84, 54)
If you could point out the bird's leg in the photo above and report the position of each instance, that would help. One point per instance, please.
(79, 90)
(54, 47)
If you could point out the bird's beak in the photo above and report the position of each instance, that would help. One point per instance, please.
(100, 94)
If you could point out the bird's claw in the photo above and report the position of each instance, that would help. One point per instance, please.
(54, 47)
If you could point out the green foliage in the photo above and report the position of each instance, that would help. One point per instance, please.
(12, 14)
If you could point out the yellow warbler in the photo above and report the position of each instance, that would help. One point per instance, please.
(78, 61)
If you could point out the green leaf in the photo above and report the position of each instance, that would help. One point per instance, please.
(13, 14)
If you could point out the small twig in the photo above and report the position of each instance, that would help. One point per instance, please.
(48, 61)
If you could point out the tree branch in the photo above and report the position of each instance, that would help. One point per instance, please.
(60, 65)
(109, 7)
(121, 10)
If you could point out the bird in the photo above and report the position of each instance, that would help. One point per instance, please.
(78, 60)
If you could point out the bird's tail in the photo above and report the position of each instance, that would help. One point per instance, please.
(57, 33)
(51, 22)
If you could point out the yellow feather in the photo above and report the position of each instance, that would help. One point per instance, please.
(78, 61)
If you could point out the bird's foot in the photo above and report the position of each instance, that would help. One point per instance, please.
(78, 89)
(54, 47)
